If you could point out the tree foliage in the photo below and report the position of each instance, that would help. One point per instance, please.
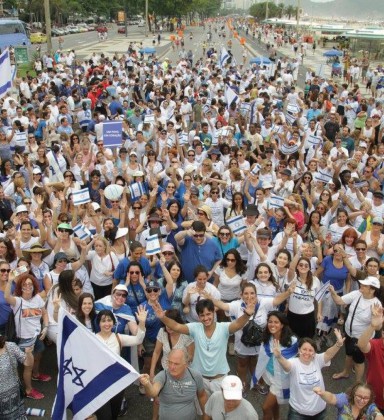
(259, 10)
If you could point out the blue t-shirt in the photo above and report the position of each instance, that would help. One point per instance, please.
(135, 291)
(210, 357)
(153, 323)
(206, 254)
(337, 276)
(121, 270)
(232, 243)
(5, 309)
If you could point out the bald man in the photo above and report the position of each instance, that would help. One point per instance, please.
(177, 388)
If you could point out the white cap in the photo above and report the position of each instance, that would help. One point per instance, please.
(371, 281)
(121, 232)
(363, 144)
(96, 206)
(21, 208)
(122, 287)
(36, 171)
(232, 388)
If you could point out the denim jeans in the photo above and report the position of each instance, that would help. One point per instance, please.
(294, 415)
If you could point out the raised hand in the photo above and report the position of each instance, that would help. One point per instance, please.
(339, 338)
(141, 314)
(377, 316)
(56, 301)
(276, 348)
(159, 312)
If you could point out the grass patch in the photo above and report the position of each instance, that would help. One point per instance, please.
(23, 68)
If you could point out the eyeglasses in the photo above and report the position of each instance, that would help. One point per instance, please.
(224, 234)
(198, 235)
(303, 265)
(214, 192)
(360, 249)
(134, 272)
(152, 289)
(5, 270)
(307, 177)
(187, 179)
(123, 295)
(191, 155)
(136, 208)
(360, 397)
(63, 230)
(167, 253)
(231, 259)
(233, 163)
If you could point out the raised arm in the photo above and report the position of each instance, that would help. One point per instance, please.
(168, 322)
(285, 364)
(332, 351)
(377, 319)
(328, 397)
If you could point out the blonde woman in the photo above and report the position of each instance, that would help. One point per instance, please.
(267, 173)
(104, 263)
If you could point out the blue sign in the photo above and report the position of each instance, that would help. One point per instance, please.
(112, 133)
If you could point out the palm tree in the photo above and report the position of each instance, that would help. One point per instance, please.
(290, 11)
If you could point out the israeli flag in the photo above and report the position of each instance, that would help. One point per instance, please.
(81, 197)
(237, 224)
(323, 177)
(224, 57)
(153, 245)
(90, 374)
(230, 96)
(135, 190)
(5, 73)
(276, 202)
(319, 296)
(82, 232)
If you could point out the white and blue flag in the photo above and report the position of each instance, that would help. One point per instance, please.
(237, 224)
(230, 95)
(224, 57)
(90, 374)
(5, 73)
(81, 197)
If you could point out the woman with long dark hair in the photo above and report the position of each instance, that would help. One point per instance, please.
(63, 291)
(172, 271)
(301, 305)
(237, 206)
(269, 369)
(314, 229)
(85, 311)
(8, 252)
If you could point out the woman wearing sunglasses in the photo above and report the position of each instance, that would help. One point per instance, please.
(155, 294)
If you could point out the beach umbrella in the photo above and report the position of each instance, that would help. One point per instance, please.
(260, 60)
(333, 53)
(148, 50)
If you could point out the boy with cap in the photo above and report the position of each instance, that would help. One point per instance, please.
(229, 403)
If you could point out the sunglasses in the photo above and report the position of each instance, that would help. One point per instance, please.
(136, 208)
(152, 289)
(63, 230)
(5, 270)
(200, 213)
(361, 249)
(27, 202)
(224, 234)
(303, 265)
(191, 155)
(198, 235)
(113, 201)
(134, 272)
(171, 187)
(231, 259)
(123, 295)
(167, 253)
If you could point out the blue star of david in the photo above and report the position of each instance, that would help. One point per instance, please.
(76, 372)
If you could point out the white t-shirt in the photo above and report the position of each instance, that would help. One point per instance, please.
(100, 266)
(303, 378)
(229, 287)
(264, 289)
(126, 340)
(301, 300)
(254, 259)
(362, 315)
(28, 314)
(236, 310)
(289, 247)
(195, 297)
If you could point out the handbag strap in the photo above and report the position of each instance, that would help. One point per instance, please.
(113, 265)
(134, 292)
(353, 316)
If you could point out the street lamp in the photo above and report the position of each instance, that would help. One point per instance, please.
(48, 26)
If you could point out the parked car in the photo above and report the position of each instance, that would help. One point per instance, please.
(141, 24)
(38, 38)
(121, 30)
(72, 29)
(57, 32)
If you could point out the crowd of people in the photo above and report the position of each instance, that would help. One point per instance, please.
(269, 212)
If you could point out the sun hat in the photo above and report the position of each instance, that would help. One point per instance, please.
(121, 232)
(36, 248)
(371, 281)
(65, 226)
(207, 210)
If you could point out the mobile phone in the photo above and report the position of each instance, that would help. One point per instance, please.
(19, 270)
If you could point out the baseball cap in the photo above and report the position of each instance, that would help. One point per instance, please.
(194, 191)
(377, 220)
(21, 209)
(232, 388)
(121, 287)
(371, 281)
